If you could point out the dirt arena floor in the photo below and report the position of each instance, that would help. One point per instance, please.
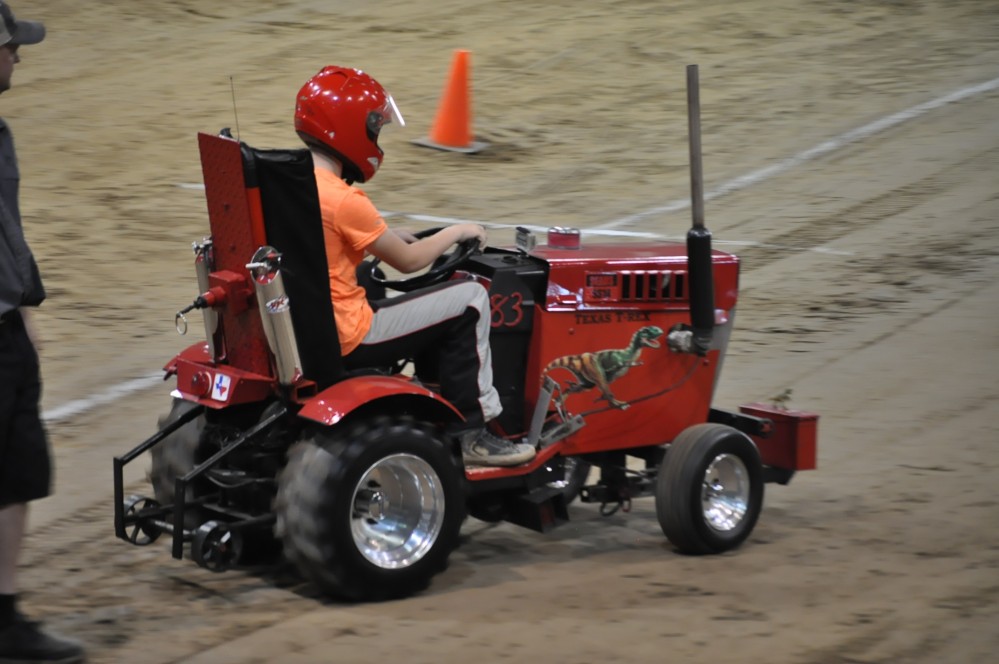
(851, 153)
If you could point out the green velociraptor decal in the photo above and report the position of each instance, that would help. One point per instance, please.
(600, 368)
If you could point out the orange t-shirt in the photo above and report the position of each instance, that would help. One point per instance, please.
(350, 224)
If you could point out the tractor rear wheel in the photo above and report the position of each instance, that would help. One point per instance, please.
(175, 456)
(372, 512)
(709, 491)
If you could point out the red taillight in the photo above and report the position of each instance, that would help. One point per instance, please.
(560, 237)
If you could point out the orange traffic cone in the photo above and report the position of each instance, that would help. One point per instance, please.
(452, 128)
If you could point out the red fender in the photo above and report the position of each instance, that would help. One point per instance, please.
(338, 400)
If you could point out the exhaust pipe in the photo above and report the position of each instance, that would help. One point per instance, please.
(699, 266)
(275, 313)
(204, 263)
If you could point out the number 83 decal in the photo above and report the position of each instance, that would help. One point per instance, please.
(507, 310)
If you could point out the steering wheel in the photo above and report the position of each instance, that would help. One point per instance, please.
(440, 270)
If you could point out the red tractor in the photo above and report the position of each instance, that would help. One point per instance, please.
(606, 358)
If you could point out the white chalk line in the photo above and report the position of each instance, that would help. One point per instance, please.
(79, 406)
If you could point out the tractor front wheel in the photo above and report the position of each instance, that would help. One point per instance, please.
(372, 512)
(709, 491)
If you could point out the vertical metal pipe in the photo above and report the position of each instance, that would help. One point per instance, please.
(119, 499)
(699, 261)
(694, 132)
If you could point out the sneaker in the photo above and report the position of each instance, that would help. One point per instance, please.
(23, 642)
(480, 447)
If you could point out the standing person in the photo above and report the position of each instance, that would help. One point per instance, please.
(25, 464)
(338, 115)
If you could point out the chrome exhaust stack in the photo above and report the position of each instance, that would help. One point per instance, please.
(204, 263)
(275, 313)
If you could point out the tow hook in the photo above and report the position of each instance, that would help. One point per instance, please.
(623, 504)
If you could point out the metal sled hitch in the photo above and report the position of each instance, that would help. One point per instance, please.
(119, 483)
(180, 490)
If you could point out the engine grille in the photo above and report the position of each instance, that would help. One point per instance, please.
(636, 286)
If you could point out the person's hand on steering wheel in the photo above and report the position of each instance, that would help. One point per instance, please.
(473, 232)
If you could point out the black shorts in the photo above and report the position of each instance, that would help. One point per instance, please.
(25, 462)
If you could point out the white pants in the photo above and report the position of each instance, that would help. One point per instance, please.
(447, 325)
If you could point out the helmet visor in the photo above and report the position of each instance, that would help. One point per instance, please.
(387, 114)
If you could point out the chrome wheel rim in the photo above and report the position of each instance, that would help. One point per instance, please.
(725, 493)
(397, 511)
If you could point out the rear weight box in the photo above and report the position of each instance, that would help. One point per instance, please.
(791, 443)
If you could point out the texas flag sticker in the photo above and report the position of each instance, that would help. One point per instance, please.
(220, 388)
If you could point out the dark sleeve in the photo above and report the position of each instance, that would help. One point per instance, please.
(20, 281)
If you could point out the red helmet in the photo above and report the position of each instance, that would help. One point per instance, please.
(344, 109)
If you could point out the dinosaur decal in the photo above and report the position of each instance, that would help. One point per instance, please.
(600, 368)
